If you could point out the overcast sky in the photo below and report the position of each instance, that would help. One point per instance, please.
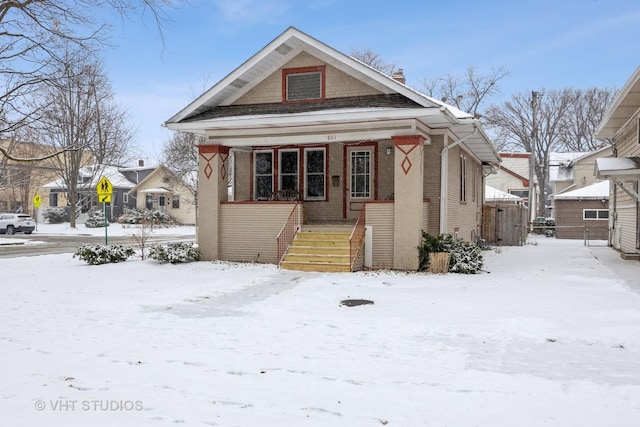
(544, 44)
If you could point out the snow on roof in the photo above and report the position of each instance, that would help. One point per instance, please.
(493, 194)
(117, 179)
(599, 190)
(606, 166)
(561, 165)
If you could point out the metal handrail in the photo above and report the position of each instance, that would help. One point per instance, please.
(288, 232)
(356, 239)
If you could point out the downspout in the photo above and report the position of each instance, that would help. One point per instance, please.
(444, 173)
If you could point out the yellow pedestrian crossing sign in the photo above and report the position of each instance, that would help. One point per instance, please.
(104, 198)
(36, 201)
(104, 188)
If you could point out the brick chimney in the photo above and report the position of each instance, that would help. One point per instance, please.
(140, 163)
(399, 76)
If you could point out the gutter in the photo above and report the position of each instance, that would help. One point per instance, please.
(444, 170)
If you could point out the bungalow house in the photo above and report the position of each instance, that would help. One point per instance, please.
(621, 127)
(329, 153)
(163, 191)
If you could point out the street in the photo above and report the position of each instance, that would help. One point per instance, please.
(56, 244)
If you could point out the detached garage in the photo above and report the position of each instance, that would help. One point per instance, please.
(583, 209)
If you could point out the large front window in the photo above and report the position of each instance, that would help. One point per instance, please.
(290, 170)
(315, 168)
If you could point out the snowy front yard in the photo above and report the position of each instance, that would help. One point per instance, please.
(548, 337)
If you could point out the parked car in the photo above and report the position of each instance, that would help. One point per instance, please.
(11, 223)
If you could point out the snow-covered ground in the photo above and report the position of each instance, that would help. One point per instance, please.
(548, 336)
(80, 229)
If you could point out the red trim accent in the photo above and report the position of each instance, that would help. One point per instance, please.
(514, 155)
(213, 148)
(410, 142)
(525, 181)
(287, 71)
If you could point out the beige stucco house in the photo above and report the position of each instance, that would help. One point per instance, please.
(163, 191)
(332, 153)
(621, 127)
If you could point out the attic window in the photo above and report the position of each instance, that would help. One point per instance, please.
(303, 84)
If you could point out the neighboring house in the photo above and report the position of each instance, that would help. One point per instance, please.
(55, 193)
(320, 138)
(162, 190)
(512, 176)
(21, 181)
(583, 213)
(621, 126)
(493, 195)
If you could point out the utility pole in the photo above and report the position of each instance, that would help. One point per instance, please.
(532, 156)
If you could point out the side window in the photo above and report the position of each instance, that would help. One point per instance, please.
(463, 179)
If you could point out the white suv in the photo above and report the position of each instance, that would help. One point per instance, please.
(11, 223)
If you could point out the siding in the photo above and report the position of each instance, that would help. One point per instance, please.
(432, 183)
(464, 217)
(625, 227)
(337, 83)
(242, 238)
(380, 217)
(569, 213)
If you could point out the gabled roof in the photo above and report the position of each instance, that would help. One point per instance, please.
(623, 107)
(148, 178)
(432, 112)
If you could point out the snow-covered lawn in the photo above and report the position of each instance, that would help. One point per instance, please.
(549, 336)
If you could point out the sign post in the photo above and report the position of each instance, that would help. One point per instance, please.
(104, 190)
(37, 200)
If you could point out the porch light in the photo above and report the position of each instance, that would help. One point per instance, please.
(389, 150)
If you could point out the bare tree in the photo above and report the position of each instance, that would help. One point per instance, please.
(73, 116)
(34, 36)
(513, 121)
(467, 92)
(584, 116)
(180, 154)
(374, 60)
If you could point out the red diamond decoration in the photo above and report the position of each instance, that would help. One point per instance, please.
(208, 170)
(406, 165)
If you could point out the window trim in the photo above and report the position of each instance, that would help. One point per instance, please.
(597, 211)
(125, 198)
(303, 70)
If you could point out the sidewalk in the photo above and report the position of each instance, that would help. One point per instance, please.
(627, 270)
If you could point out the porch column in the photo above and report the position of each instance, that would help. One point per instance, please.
(408, 200)
(212, 189)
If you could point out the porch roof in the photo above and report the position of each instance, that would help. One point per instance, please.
(623, 107)
(617, 167)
